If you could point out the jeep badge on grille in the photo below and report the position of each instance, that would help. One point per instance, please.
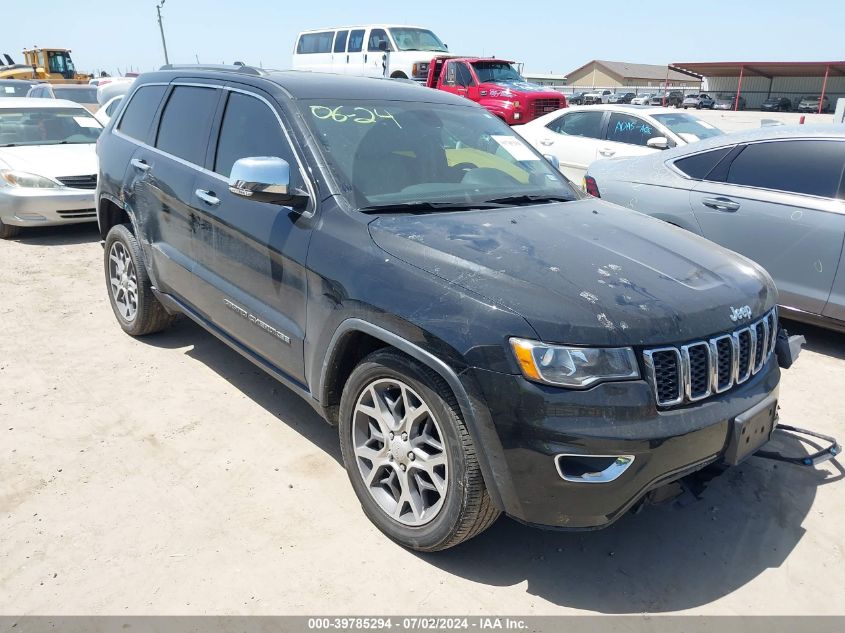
(737, 314)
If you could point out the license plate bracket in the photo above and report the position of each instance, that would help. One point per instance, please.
(751, 430)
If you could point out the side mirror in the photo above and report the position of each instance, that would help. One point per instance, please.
(266, 179)
(658, 142)
(553, 160)
(382, 46)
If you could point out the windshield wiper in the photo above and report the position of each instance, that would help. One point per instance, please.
(429, 207)
(528, 199)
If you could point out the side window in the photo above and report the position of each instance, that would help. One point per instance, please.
(586, 124)
(699, 165)
(451, 74)
(340, 41)
(624, 128)
(250, 128)
(139, 112)
(464, 76)
(377, 38)
(805, 167)
(315, 43)
(356, 41)
(186, 122)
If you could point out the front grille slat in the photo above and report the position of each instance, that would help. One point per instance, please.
(699, 369)
(79, 182)
(544, 106)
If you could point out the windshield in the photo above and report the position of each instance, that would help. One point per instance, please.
(47, 126)
(77, 95)
(491, 72)
(680, 123)
(398, 152)
(417, 40)
(14, 88)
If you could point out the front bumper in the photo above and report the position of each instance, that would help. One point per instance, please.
(20, 206)
(536, 423)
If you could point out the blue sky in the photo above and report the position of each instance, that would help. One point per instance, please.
(546, 36)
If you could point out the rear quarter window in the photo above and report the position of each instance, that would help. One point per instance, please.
(698, 166)
(139, 113)
(315, 43)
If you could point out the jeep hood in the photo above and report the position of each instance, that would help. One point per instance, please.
(584, 272)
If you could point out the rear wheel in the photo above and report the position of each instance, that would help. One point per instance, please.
(130, 292)
(8, 231)
(409, 455)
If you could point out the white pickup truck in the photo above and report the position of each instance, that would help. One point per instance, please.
(597, 96)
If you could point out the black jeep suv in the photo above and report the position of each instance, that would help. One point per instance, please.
(486, 337)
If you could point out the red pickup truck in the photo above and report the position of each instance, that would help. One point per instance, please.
(495, 84)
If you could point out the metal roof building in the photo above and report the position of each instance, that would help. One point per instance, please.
(757, 81)
(605, 74)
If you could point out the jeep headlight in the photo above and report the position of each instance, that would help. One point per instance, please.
(574, 367)
(14, 178)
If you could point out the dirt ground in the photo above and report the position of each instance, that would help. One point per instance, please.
(169, 476)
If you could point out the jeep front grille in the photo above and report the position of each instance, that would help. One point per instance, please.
(699, 369)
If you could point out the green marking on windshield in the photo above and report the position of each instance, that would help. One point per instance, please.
(364, 116)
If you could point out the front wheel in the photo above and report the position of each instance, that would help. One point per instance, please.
(409, 455)
(7, 231)
(130, 292)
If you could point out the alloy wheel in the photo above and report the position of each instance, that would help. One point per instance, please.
(123, 281)
(400, 453)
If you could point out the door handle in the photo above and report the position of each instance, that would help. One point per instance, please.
(720, 204)
(208, 197)
(140, 163)
(607, 152)
(547, 142)
(365, 58)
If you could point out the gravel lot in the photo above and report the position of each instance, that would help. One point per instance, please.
(168, 475)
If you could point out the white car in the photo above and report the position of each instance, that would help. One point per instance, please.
(642, 98)
(578, 136)
(48, 163)
(108, 110)
(375, 50)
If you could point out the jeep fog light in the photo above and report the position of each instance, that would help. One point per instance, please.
(574, 367)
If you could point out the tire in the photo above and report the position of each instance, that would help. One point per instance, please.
(398, 75)
(7, 231)
(149, 316)
(464, 509)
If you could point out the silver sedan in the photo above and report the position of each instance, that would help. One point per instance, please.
(775, 195)
(48, 163)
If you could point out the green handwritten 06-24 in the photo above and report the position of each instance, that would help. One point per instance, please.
(364, 116)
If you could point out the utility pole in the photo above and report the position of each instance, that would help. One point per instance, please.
(161, 28)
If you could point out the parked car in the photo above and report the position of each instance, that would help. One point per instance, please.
(119, 87)
(775, 195)
(698, 101)
(405, 275)
(108, 109)
(374, 50)
(576, 98)
(578, 136)
(597, 96)
(48, 164)
(15, 87)
(776, 104)
(644, 98)
(811, 104)
(728, 101)
(83, 94)
(621, 97)
(671, 99)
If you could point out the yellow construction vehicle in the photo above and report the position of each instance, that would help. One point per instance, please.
(48, 64)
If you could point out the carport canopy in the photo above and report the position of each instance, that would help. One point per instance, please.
(770, 70)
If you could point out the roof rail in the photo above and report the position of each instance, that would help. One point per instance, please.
(238, 68)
